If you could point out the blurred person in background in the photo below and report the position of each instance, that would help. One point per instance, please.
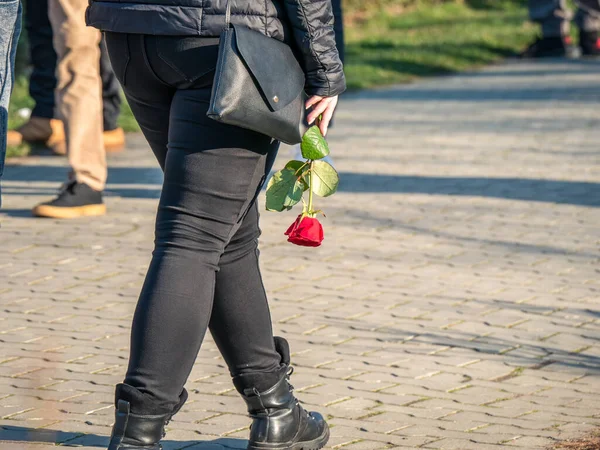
(79, 105)
(10, 28)
(554, 17)
(43, 126)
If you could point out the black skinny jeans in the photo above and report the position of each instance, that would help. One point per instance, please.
(204, 271)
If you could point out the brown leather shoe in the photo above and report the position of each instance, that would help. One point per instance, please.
(114, 141)
(37, 130)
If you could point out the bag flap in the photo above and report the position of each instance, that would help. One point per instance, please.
(273, 66)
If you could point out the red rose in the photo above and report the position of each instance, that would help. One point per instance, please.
(305, 231)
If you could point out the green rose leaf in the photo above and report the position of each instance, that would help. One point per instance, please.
(279, 185)
(305, 182)
(314, 145)
(294, 195)
(325, 179)
(296, 165)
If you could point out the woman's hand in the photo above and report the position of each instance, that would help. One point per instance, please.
(321, 106)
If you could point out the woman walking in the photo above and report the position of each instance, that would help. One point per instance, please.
(204, 271)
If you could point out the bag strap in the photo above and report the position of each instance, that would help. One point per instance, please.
(228, 15)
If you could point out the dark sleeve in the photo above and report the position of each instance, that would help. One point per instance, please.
(312, 22)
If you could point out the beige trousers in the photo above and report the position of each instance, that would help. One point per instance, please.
(79, 90)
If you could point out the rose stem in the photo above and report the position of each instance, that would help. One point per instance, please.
(310, 189)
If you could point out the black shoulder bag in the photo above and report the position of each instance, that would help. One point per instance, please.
(259, 85)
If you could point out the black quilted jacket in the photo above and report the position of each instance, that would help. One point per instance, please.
(305, 24)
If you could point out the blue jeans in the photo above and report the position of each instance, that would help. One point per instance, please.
(10, 28)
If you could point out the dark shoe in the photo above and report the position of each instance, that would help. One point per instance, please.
(38, 130)
(74, 200)
(590, 43)
(139, 431)
(547, 47)
(280, 422)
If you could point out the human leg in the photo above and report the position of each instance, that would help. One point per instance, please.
(588, 21)
(113, 136)
(10, 22)
(79, 100)
(259, 363)
(553, 17)
(79, 105)
(204, 270)
(42, 126)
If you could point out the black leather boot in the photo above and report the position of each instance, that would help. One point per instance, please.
(133, 431)
(280, 422)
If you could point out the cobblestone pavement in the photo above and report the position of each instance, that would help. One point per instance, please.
(453, 305)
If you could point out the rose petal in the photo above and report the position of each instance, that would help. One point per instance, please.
(293, 226)
(308, 233)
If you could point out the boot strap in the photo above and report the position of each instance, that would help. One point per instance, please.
(121, 425)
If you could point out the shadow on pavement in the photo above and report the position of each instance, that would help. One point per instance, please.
(552, 191)
(372, 219)
(16, 212)
(511, 90)
(116, 175)
(70, 439)
(518, 350)
(584, 67)
(584, 93)
(526, 354)
(581, 193)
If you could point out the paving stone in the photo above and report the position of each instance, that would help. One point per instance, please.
(533, 442)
